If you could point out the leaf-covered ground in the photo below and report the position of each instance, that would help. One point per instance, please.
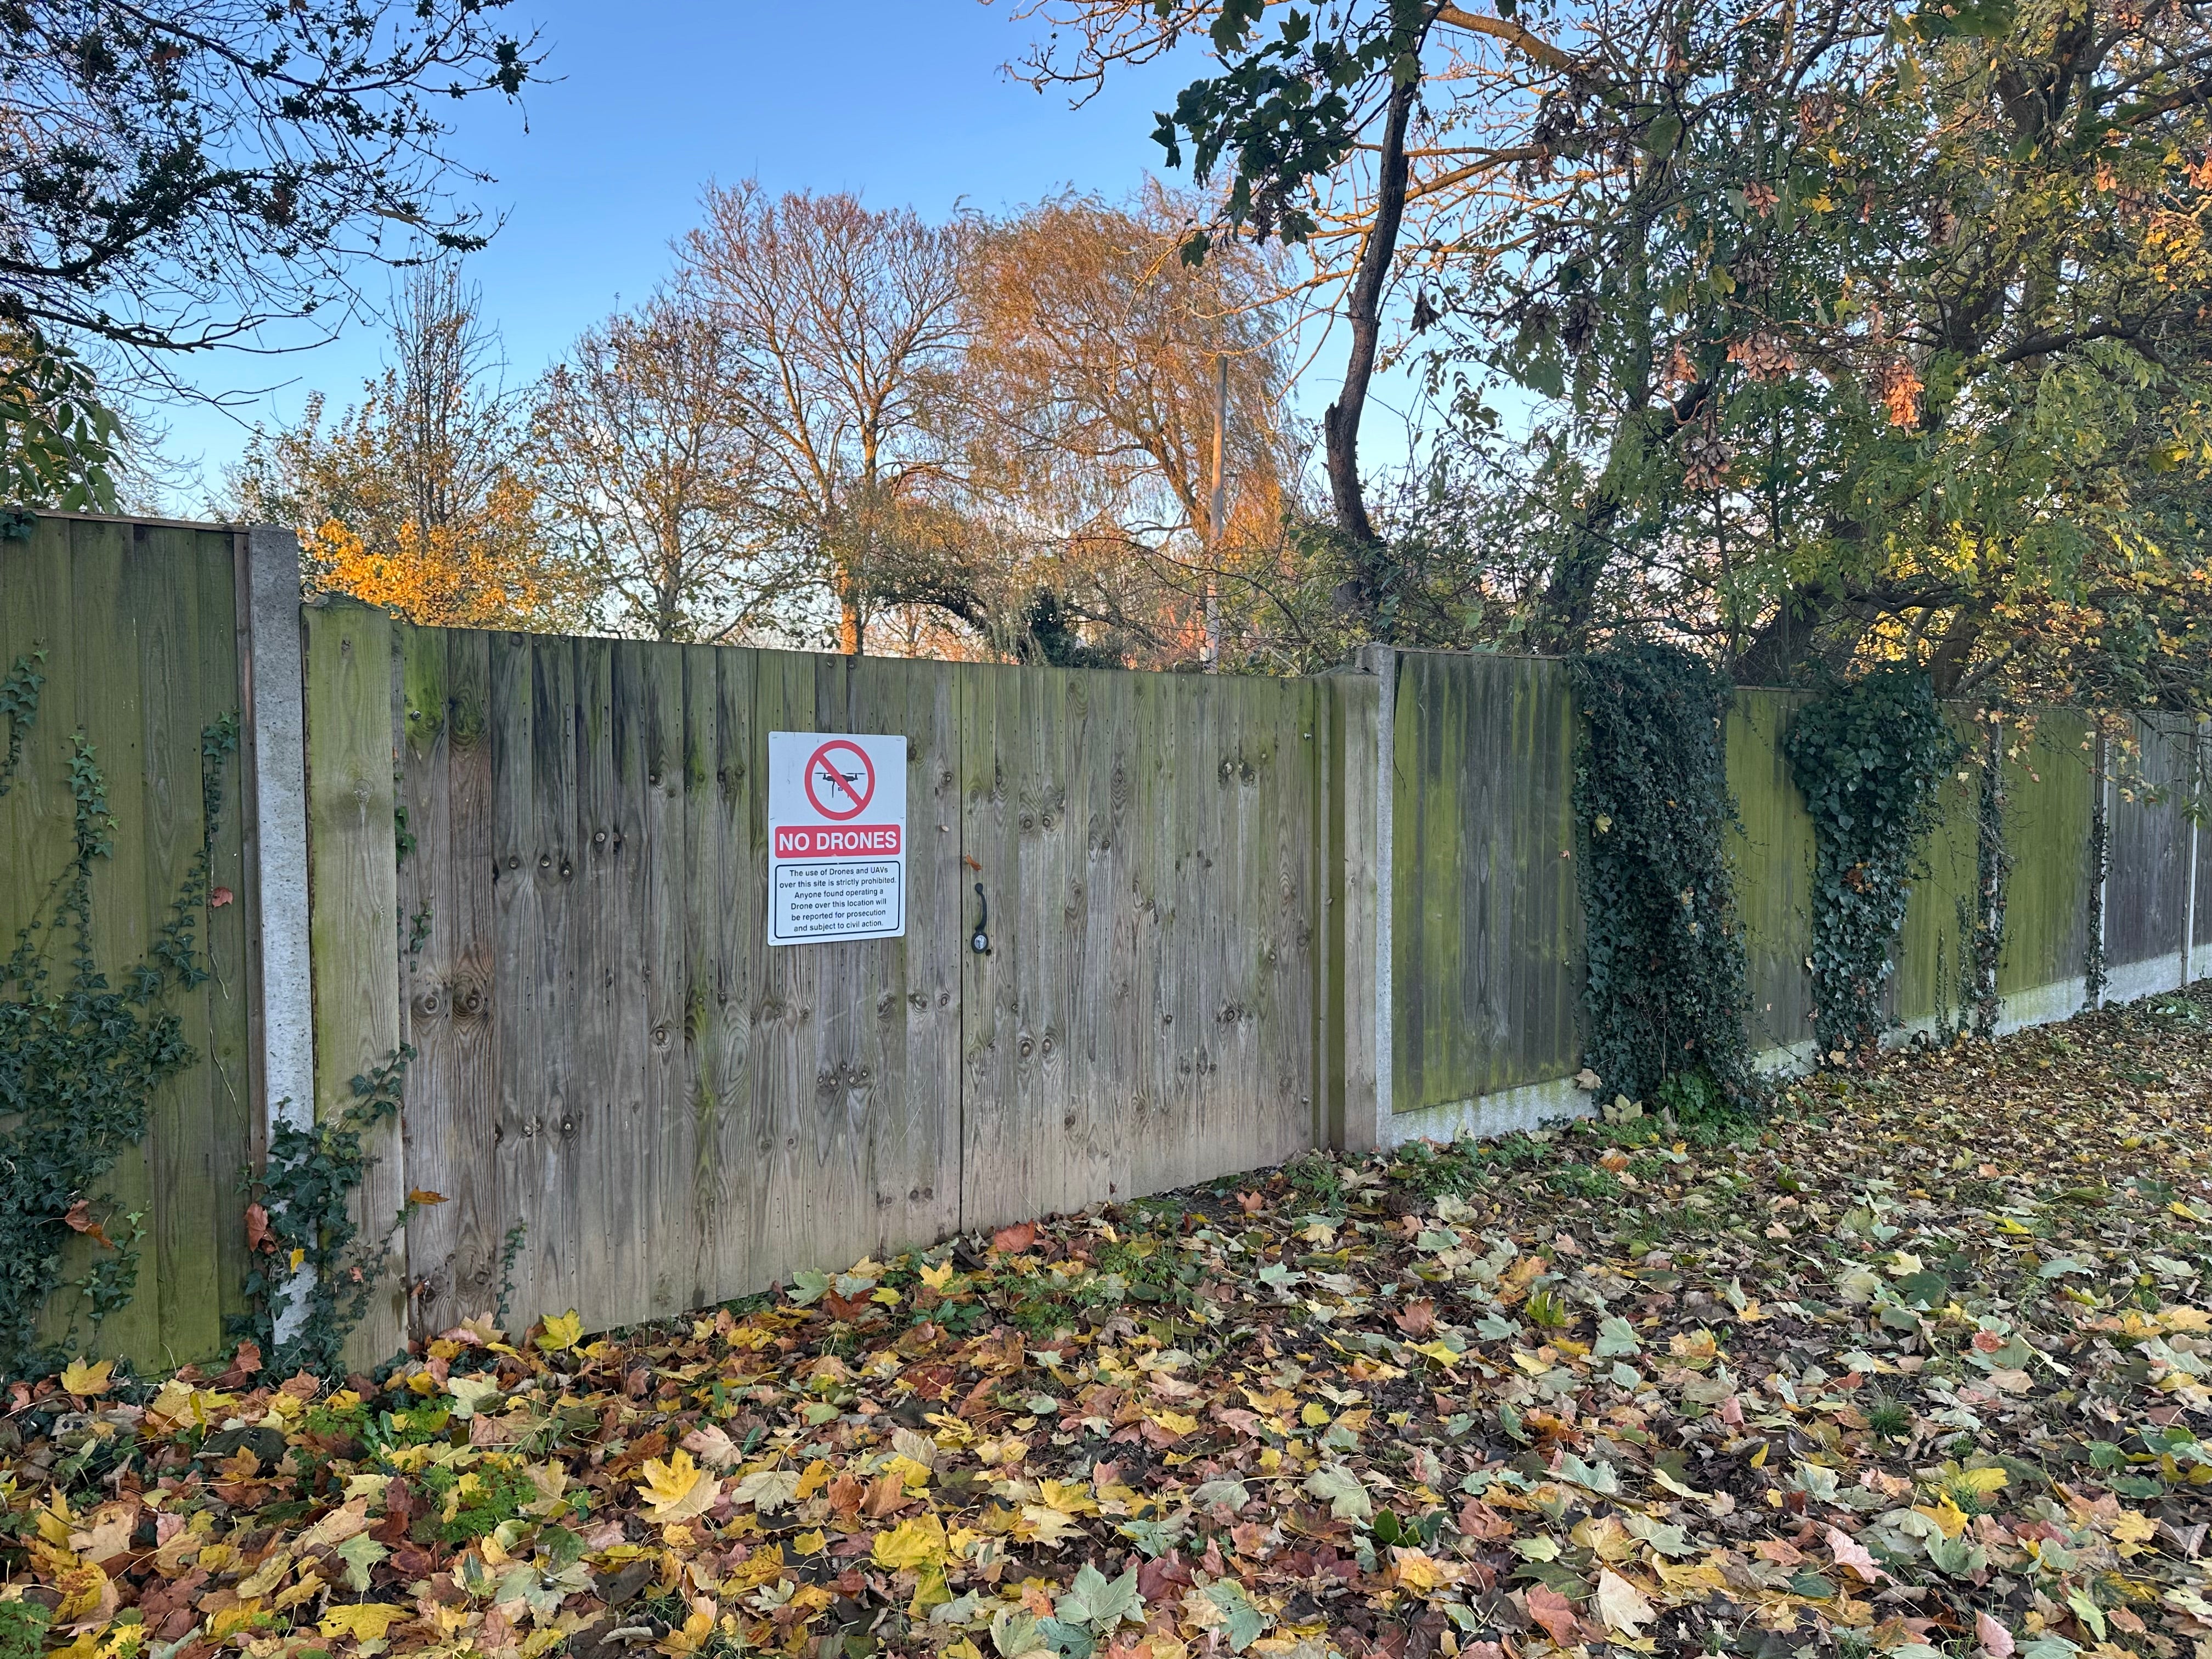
(1917, 1366)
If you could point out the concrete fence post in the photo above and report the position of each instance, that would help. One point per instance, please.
(275, 706)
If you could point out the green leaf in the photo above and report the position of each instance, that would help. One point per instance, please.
(1340, 1489)
(1099, 1601)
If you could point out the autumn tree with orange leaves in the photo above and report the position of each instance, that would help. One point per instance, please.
(421, 499)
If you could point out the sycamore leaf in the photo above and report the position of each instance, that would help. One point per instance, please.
(1621, 1604)
(561, 1332)
(360, 1553)
(470, 1394)
(1241, 1622)
(364, 1621)
(808, 1287)
(1346, 1498)
(713, 1447)
(79, 1378)
(768, 1490)
(679, 1489)
(1616, 1338)
(1099, 1601)
(1555, 1613)
(1849, 1553)
(918, 1543)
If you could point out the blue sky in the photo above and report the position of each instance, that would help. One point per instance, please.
(903, 102)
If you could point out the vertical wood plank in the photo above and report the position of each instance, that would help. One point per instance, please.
(728, 887)
(107, 564)
(662, 1130)
(235, 1113)
(190, 1209)
(1355, 704)
(353, 900)
(448, 894)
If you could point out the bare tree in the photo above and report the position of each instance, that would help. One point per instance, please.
(654, 474)
(848, 325)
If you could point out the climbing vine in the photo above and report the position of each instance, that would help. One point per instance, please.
(1869, 757)
(1665, 995)
(81, 1054)
(312, 1274)
(1982, 912)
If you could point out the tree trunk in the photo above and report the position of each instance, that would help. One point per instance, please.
(1341, 423)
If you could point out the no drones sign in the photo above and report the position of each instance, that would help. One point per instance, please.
(836, 827)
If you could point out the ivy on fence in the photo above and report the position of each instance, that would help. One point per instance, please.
(1665, 994)
(80, 1056)
(1869, 757)
(313, 1272)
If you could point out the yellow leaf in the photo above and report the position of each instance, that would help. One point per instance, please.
(887, 1295)
(1984, 1481)
(915, 1475)
(82, 1379)
(1947, 1514)
(1419, 1571)
(1312, 1414)
(938, 1277)
(559, 1332)
(1176, 1422)
(235, 1616)
(299, 1255)
(818, 1475)
(762, 1566)
(2134, 1529)
(929, 1591)
(917, 1543)
(679, 1489)
(811, 1543)
(365, 1621)
(1067, 1496)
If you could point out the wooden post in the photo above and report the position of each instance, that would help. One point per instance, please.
(354, 907)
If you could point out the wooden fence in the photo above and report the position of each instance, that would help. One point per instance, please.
(1485, 926)
(135, 630)
(612, 1059)
(1231, 919)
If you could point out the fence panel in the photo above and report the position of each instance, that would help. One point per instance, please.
(1772, 852)
(612, 1059)
(138, 625)
(2147, 891)
(1146, 1018)
(1486, 920)
(2051, 791)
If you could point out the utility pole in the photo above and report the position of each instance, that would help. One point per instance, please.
(1214, 526)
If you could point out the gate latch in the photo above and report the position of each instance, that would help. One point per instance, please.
(980, 942)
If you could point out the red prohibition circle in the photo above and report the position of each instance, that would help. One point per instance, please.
(850, 795)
